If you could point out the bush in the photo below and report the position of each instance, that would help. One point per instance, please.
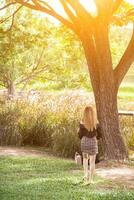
(33, 127)
(64, 113)
(9, 130)
(127, 128)
(65, 140)
(52, 122)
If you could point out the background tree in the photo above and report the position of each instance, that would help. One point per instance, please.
(93, 31)
(21, 51)
(26, 49)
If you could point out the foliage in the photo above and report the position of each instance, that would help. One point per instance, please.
(33, 34)
(128, 130)
(22, 46)
(52, 121)
(124, 14)
(21, 49)
(9, 130)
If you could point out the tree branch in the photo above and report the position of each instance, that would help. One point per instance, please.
(68, 11)
(116, 5)
(2, 21)
(103, 6)
(46, 4)
(12, 23)
(32, 75)
(9, 4)
(81, 12)
(35, 71)
(125, 62)
(50, 12)
(39, 60)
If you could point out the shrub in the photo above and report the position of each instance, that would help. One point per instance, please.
(127, 128)
(52, 121)
(32, 125)
(9, 131)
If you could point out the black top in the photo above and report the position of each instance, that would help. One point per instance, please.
(90, 134)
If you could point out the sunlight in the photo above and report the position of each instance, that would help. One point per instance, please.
(130, 1)
(56, 5)
(90, 6)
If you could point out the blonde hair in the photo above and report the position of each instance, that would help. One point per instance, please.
(89, 119)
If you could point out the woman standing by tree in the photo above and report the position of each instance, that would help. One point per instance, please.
(89, 133)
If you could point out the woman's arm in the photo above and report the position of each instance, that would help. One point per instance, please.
(82, 131)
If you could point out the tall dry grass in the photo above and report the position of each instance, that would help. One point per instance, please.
(52, 121)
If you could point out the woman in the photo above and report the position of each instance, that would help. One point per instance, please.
(89, 132)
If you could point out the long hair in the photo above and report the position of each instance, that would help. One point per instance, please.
(89, 119)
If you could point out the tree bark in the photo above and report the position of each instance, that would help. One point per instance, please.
(106, 104)
(99, 61)
(11, 88)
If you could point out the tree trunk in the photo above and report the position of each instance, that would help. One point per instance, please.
(98, 55)
(11, 89)
(106, 104)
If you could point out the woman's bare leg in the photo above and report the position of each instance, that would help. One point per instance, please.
(85, 166)
(92, 167)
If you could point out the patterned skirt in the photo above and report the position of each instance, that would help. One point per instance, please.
(89, 145)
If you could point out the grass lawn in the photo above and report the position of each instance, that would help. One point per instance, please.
(51, 178)
(126, 92)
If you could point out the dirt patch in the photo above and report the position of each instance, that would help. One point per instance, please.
(122, 175)
(23, 151)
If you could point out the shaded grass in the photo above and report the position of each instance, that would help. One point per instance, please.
(50, 178)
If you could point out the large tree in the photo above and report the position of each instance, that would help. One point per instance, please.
(93, 31)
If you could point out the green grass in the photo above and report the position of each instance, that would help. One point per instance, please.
(126, 91)
(50, 178)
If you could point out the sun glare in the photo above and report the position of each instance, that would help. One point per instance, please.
(130, 1)
(90, 6)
